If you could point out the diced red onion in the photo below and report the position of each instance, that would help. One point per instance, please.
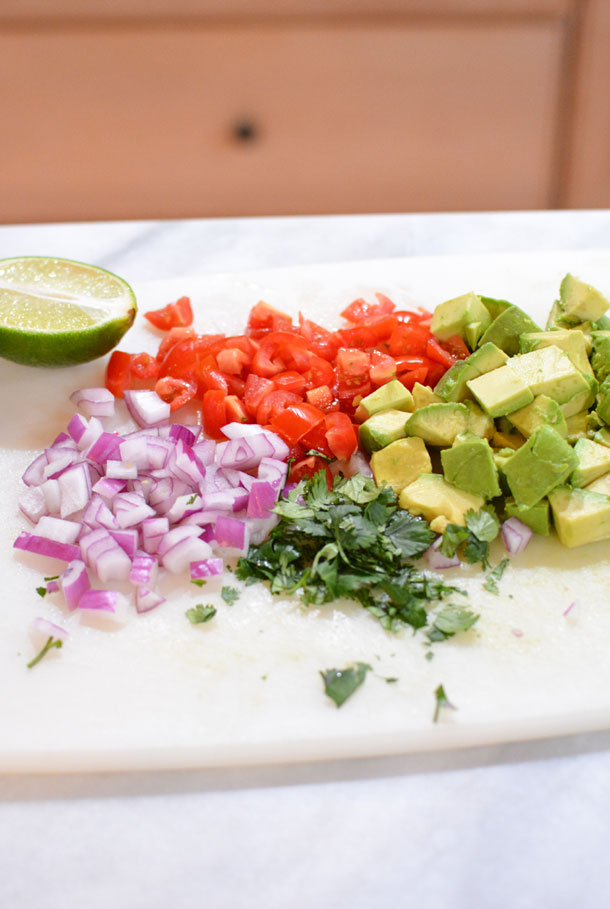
(205, 451)
(152, 530)
(29, 542)
(52, 586)
(260, 528)
(76, 427)
(181, 546)
(131, 509)
(52, 496)
(97, 514)
(74, 490)
(226, 500)
(108, 487)
(200, 518)
(231, 533)
(74, 582)
(108, 606)
(32, 503)
(44, 629)
(183, 433)
(515, 535)
(146, 407)
(94, 402)
(261, 500)
(105, 447)
(147, 599)
(127, 540)
(121, 470)
(104, 556)
(206, 568)
(358, 463)
(92, 432)
(436, 560)
(240, 430)
(243, 454)
(58, 530)
(34, 472)
(233, 477)
(273, 471)
(144, 569)
(59, 461)
(280, 449)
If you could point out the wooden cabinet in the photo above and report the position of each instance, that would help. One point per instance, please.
(117, 117)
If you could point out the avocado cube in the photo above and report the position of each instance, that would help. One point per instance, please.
(508, 440)
(422, 395)
(452, 386)
(602, 436)
(469, 465)
(541, 410)
(572, 341)
(478, 421)
(577, 427)
(580, 516)
(391, 396)
(500, 391)
(536, 517)
(432, 497)
(601, 486)
(454, 317)
(549, 371)
(580, 302)
(401, 462)
(507, 328)
(544, 462)
(600, 361)
(593, 461)
(494, 306)
(583, 400)
(439, 424)
(382, 429)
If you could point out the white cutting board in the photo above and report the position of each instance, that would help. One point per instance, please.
(245, 687)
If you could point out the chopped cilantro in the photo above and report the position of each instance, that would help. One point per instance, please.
(349, 541)
(340, 684)
(198, 582)
(442, 701)
(481, 528)
(200, 613)
(41, 591)
(53, 577)
(51, 642)
(491, 581)
(193, 498)
(313, 453)
(450, 620)
(229, 595)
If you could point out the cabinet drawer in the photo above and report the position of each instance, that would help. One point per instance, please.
(132, 121)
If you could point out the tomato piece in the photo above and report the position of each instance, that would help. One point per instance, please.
(235, 410)
(315, 440)
(214, 412)
(410, 377)
(256, 389)
(321, 341)
(273, 404)
(290, 381)
(321, 397)
(118, 373)
(235, 385)
(319, 372)
(296, 421)
(361, 336)
(307, 467)
(144, 366)
(435, 352)
(232, 360)
(383, 368)
(263, 365)
(290, 349)
(352, 365)
(360, 310)
(410, 339)
(210, 377)
(340, 435)
(406, 364)
(264, 318)
(175, 392)
(174, 315)
(456, 346)
(435, 372)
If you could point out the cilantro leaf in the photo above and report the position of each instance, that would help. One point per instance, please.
(453, 537)
(359, 489)
(198, 582)
(229, 595)
(410, 535)
(41, 591)
(450, 620)
(200, 613)
(491, 581)
(482, 524)
(442, 701)
(340, 684)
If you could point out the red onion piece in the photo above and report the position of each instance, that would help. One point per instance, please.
(43, 628)
(108, 487)
(130, 509)
(260, 528)
(127, 540)
(205, 451)
(147, 599)
(76, 427)
(97, 514)
(358, 463)
(106, 606)
(59, 461)
(206, 568)
(105, 447)
(93, 431)
(33, 504)
(146, 407)
(273, 471)
(231, 533)
(94, 402)
(437, 561)
(280, 450)
(29, 542)
(181, 546)
(58, 530)
(515, 535)
(121, 470)
(184, 433)
(144, 569)
(242, 454)
(104, 556)
(74, 582)
(153, 529)
(50, 490)
(261, 500)
(74, 490)
(34, 472)
(240, 430)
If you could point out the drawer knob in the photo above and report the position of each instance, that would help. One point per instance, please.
(245, 130)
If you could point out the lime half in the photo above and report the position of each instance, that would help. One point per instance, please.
(56, 312)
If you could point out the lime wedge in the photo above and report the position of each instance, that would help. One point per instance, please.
(56, 312)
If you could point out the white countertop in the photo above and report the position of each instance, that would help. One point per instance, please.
(519, 825)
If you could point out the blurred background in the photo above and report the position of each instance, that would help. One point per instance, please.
(190, 108)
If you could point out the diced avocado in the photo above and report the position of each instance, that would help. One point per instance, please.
(465, 316)
(600, 361)
(401, 462)
(580, 302)
(493, 306)
(593, 461)
(433, 497)
(541, 410)
(508, 440)
(391, 396)
(603, 401)
(549, 371)
(469, 465)
(500, 391)
(577, 427)
(569, 340)
(580, 516)
(452, 386)
(506, 329)
(502, 455)
(438, 424)
(601, 486)
(544, 462)
(583, 400)
(382, 429)
(602, 436)
(479, 422)
(422, 395)
(536, 517)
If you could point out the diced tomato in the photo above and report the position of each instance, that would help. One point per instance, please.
(315, 440)
(321, 397)
(273, 404)
(214, 412)
(410, 339)
(210, 377)
(144, 366)
(410, 377)
(236, 411)
(456, 346)
(307, 467)
(360, 310)
(257, 388)
(263, 365)
(287, 348)
(340, 435)
(118, 373)
(383, 368)
(361, 336)
(173, 315)
(319, 372)
(435, 371)
(296, 420)
(437, 353)
(232, 360)
(290, 381)
(175, 392)
(264, 318)
(321, 341)
(352, 365)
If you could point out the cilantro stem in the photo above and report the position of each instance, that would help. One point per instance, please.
(51, 642)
